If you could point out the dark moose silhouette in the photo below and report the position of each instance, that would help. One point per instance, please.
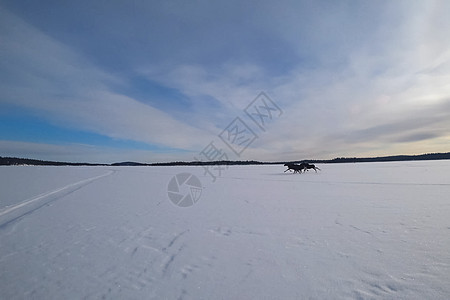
(303, 167)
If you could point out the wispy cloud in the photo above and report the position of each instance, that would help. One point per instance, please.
(44, 75)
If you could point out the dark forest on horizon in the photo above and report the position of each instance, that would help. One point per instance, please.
(14, 161)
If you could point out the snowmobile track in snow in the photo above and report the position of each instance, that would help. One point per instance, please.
(15, 212)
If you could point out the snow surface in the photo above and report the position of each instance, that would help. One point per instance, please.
(350, 231)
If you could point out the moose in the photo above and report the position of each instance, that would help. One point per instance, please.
(303, 167)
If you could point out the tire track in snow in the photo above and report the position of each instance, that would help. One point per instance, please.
(14, 212)
(169, 260)
(172, 241)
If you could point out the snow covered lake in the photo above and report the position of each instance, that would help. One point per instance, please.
(350, 231)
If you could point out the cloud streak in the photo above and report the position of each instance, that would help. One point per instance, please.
(52, 80)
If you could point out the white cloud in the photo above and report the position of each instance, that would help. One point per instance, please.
(44, 75)
(232, 85)
(356, 110)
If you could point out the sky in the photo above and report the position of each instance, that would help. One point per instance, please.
(157, 81)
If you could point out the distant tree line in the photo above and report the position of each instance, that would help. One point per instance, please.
(428, 156)
(210, 163)
(10, 161)
(14, 161)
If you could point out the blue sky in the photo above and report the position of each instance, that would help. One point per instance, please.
(106, 81)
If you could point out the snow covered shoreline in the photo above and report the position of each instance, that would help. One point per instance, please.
(366, 230)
